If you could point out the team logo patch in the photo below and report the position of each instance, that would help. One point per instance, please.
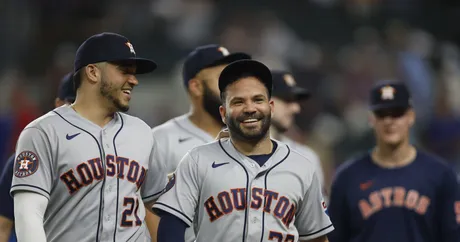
(131, 47)
(171, 183)
(387, 93)
(26, 164)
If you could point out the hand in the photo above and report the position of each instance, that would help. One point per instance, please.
(223, 134)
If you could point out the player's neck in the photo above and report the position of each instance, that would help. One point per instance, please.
(394, 156)
(261, 147)
(274, 133)
(204, 121)
(93, 110)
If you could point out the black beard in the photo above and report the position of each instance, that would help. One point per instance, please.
(108, 91)
(254, 137)
(211, 104)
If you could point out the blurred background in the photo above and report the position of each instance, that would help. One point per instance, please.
(335, 48)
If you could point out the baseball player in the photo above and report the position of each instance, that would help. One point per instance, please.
(249, 187)
(89, 168)
(66, 95)
(395, 192)
(201, 125)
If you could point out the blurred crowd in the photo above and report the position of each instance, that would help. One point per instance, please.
(337, 49)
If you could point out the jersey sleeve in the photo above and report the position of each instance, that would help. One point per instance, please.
(33, 169)
(449, 208)
(338, 211)
(156, 177)
(311, 219)
(6, 203)
(181, 194)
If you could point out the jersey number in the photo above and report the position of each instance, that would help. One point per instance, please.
(131, 205)
(278, 237)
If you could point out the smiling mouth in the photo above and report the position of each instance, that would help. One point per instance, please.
(128, 92)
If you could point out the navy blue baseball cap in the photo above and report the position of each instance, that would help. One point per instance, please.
(66, 91)
(240, 68)
(387, 94)
(285, 87)
(207, 56)
(110, 47)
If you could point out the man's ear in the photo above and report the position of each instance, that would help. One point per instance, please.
(92, 73)
(195, 87)
(223, 112)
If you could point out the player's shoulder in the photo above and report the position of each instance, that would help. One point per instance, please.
(133, 121)
(168, 127)
(431, 162)
(353, 165)
(47, 120)
(210, 147)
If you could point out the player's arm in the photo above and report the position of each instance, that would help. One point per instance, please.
(29, 216)
(152, 187)
(178, 204)
(32, 181)
(312, 220)
(448, 208)
(6, 203)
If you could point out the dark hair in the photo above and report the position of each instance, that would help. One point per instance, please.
(77, 79)
(223, 94)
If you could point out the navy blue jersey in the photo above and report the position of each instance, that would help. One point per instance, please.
(6, 203)
(417, 203)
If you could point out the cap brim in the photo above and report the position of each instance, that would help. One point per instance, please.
(231, 58)
(300, 93)
(142, 65)
(388, 105)
(293, 94)
(237, 68)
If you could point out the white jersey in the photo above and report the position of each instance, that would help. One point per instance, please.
(307, 152)
(173, 139)
(96, 179)
(234, 199)
(177, 136)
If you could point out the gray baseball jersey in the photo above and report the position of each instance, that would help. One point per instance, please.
(96, 179)
(237, 200)
(174, 138)
(177, 136)
(307, 152)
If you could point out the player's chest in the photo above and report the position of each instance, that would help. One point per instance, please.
(251, 186)
(82, 159)
(372, 194)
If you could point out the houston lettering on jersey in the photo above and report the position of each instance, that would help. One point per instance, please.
(235, 199)
(393, 197)
(92, 170)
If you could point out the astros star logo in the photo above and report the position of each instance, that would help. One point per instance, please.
(130, 46)
(388, 93)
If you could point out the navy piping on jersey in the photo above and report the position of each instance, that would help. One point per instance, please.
(177, 211)
(27, 185)
(103, 165)
(191, 133)
(303, 235)
(265, 197)
(118, 178)
(247, 190)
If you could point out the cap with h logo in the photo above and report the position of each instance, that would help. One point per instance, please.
(207, 56)
(389, 94)
(110, 47)
(285, 87)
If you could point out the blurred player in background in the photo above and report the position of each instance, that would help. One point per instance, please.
(201, 125)
(287, 95)
(66, 95)
(396, 192)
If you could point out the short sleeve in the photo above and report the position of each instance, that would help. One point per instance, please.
(33, 165)
(181, 194)
(311, 219)
(7, 203)
(156, 177)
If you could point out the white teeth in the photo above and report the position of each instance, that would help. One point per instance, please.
(250, 120)
(127, 91)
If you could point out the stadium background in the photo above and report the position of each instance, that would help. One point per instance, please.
(336, 48)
